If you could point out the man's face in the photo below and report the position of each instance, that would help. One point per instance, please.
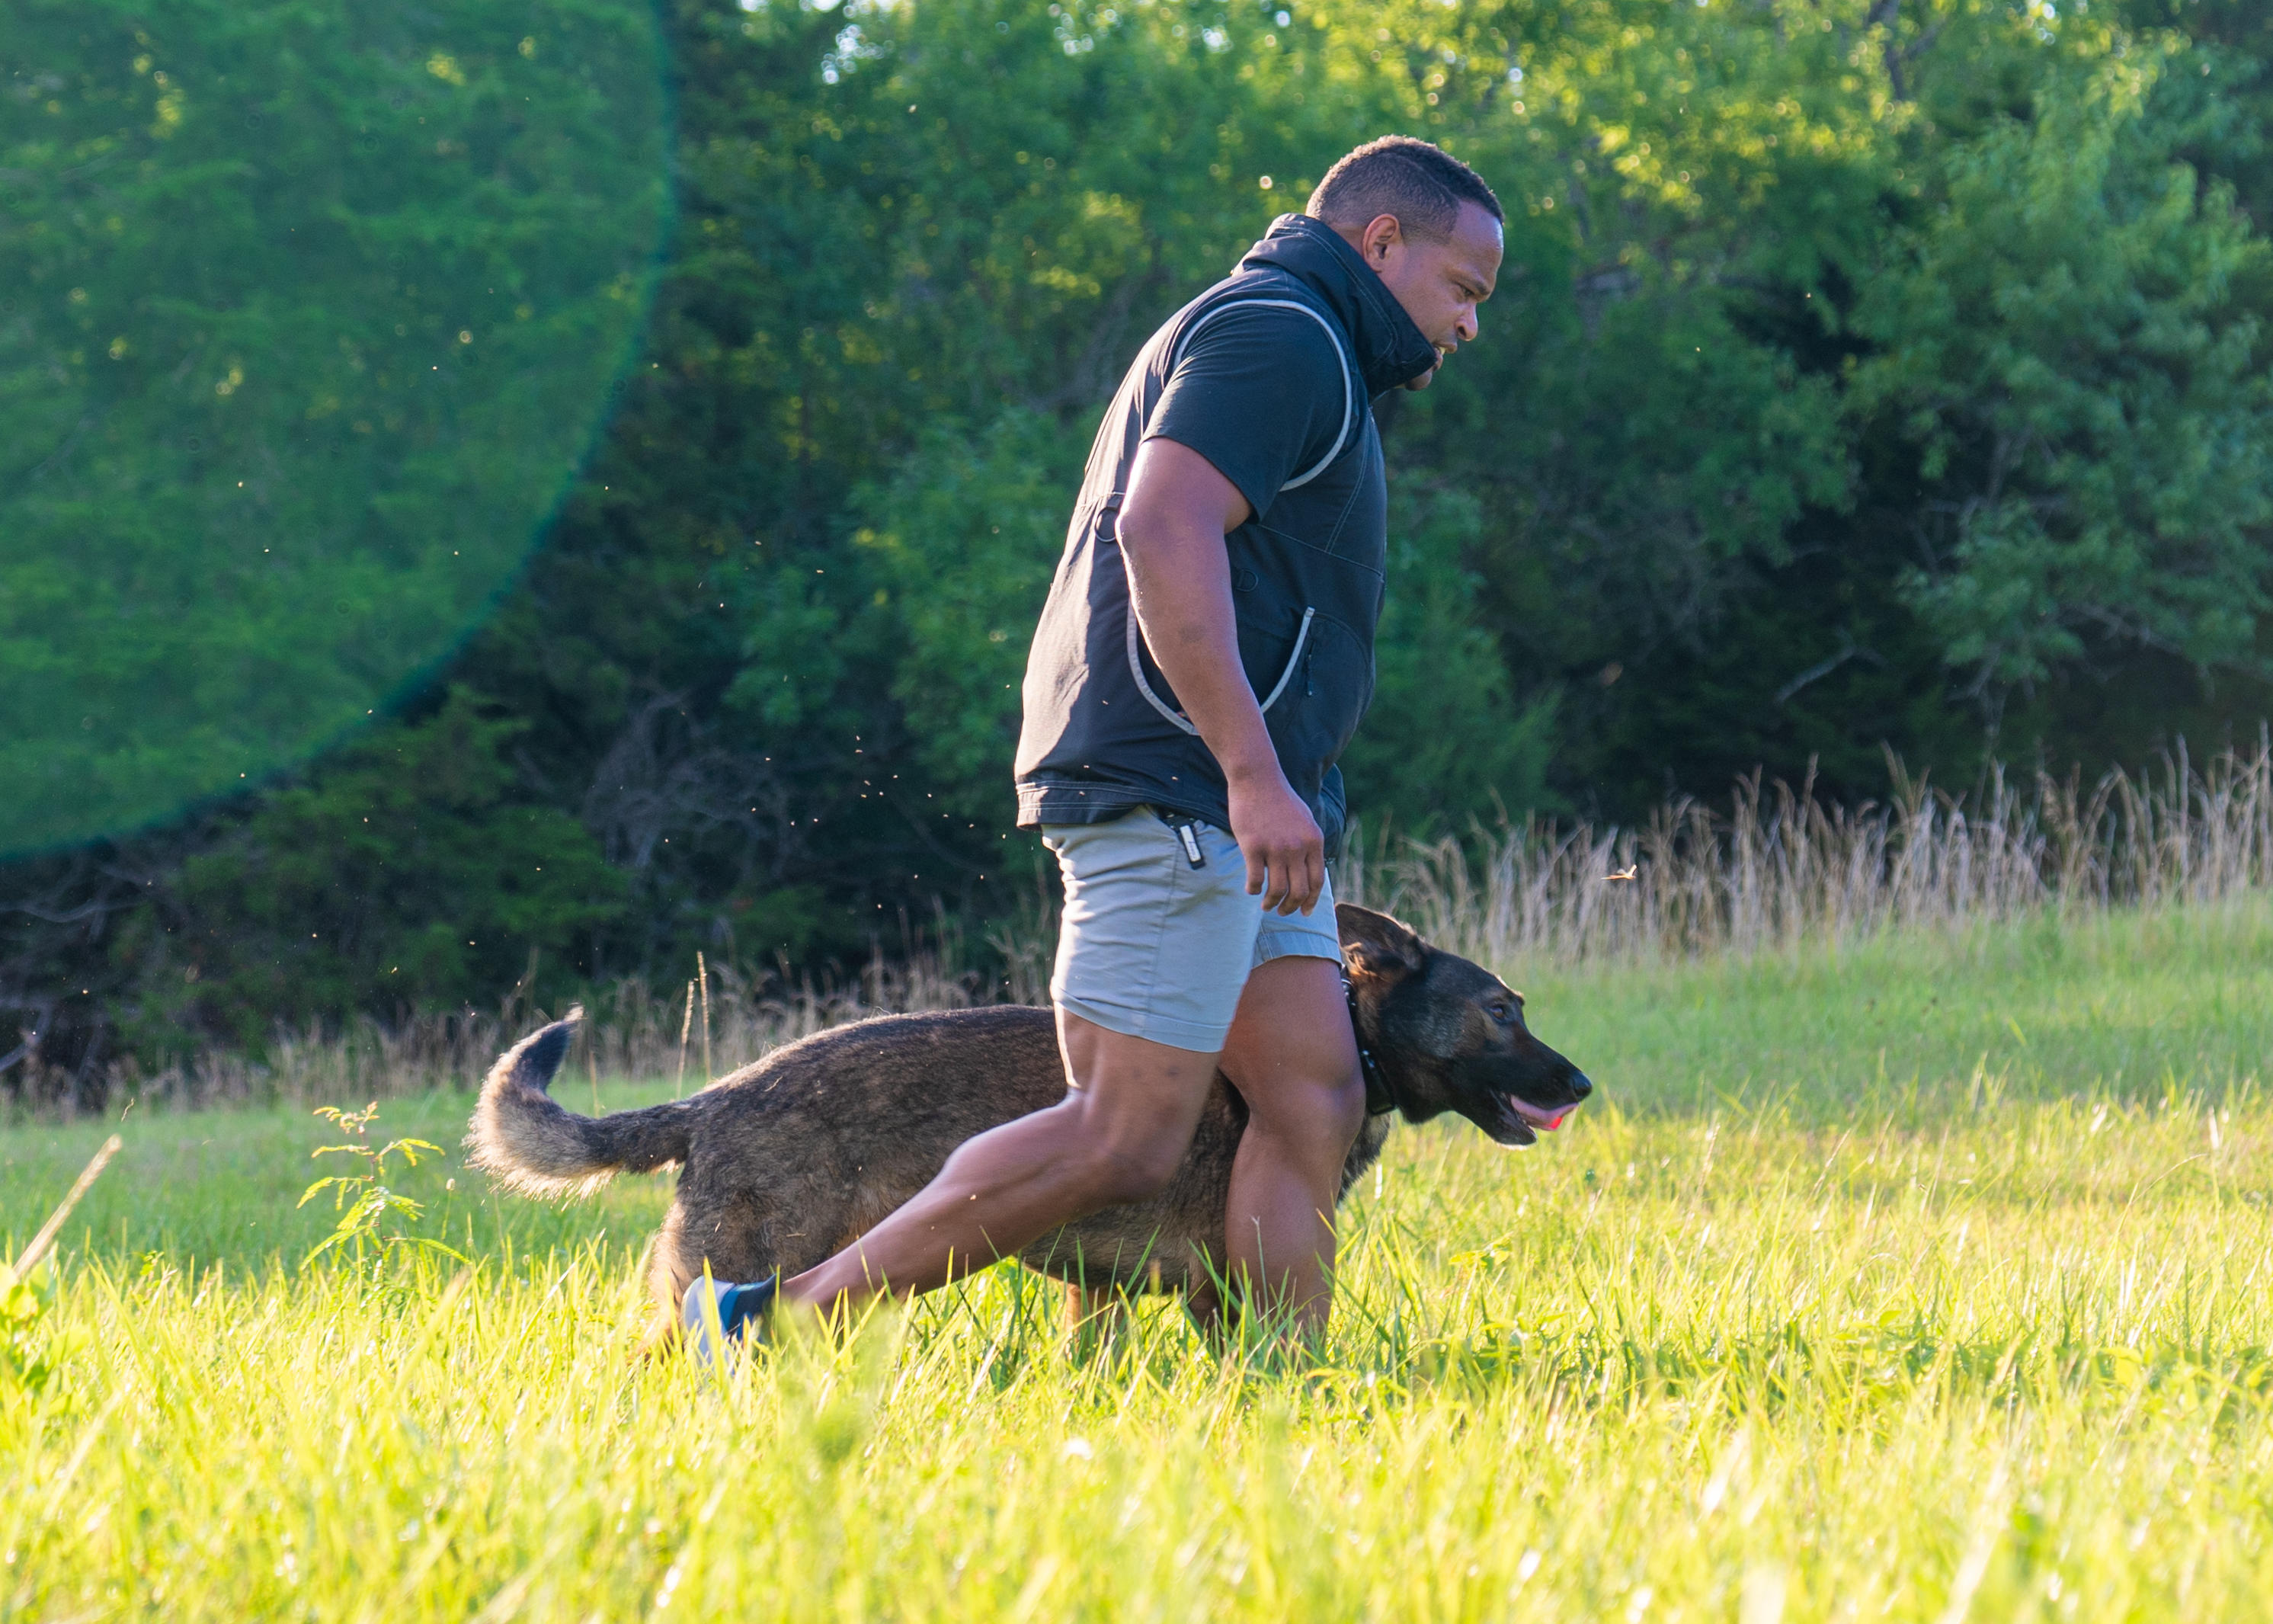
(1439, 283)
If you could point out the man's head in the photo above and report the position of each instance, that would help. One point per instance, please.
(1426, 224)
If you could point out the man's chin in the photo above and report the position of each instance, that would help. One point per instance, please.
(1424, 381)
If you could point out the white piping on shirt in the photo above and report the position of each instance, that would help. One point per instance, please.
(1348, 393)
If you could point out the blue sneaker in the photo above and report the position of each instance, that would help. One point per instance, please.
(716, 1309)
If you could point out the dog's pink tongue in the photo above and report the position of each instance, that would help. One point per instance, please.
(1545, 1121)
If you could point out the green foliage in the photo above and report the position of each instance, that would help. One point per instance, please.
(365, 1202)
(407, 867)
(310, 312)
(32, 1346)
(964, 542)
(1860, 375)
(2073, 337)
(1445, 745)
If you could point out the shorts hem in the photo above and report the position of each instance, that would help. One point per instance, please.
(1152, 1027)
(1296, 943)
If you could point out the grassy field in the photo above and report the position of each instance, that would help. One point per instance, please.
(1927, 1280)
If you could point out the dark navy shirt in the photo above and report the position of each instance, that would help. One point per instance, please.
(1269, 374)
(1261, 391)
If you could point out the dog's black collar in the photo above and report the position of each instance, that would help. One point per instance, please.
(1380, 1098)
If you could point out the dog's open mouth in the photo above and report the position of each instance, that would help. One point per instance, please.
(1521, 1122)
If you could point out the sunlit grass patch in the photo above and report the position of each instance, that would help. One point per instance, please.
(1783, 1334)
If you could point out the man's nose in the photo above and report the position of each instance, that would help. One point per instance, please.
(1466, 329)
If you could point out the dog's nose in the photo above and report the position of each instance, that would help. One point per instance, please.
(1581, 1085)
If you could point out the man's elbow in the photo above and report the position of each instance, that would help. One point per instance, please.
(1149, 534)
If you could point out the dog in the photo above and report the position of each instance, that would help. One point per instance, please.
(790, 1159)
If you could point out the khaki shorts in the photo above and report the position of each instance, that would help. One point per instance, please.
(1151, 946)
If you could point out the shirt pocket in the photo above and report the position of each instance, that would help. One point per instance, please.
(1319, 710)
(1274, 641)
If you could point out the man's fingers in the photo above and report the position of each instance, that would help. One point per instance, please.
(1298, 873)
(1313, 878)
(1286, 859)
(1275, 891)
(1290, 866)
(1308, 870)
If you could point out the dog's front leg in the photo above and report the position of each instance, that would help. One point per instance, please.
(1204, 1307)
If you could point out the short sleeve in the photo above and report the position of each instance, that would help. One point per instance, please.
(1260, 391)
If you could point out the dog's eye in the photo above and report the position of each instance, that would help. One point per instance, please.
(1500, 1013)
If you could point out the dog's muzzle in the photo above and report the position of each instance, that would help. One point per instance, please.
(1521, 1122)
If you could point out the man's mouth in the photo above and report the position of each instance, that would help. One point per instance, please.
(1424, 379)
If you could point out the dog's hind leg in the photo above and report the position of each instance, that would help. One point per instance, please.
(1097, 1319)
(736, 1247)
(668, 1277)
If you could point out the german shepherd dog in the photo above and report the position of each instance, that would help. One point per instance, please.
(790, 1159)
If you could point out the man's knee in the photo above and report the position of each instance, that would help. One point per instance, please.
(1341, 1109)
(1126, 1169)
(1127, 1149)
(1323, 1117)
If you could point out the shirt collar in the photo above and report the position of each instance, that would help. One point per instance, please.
(1390, 350)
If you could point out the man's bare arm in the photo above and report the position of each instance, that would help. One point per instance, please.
(1178, 510)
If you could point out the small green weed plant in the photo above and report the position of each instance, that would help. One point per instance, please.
(370, 1210)
(32, 1346)
(32, 1343)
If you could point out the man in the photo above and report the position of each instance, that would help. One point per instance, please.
(1204, 656)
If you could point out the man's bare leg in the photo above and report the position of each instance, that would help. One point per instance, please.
(1294, 1060)
(1116, 1137)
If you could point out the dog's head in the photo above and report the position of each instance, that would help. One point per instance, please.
(1449, 1034)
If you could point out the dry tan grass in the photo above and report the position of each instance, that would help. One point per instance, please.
(633, 1030)
(1778, 870)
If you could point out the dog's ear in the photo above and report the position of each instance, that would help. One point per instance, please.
(1375, 945)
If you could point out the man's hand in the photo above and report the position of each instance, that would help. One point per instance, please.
(1280, 841)
(1179, 509)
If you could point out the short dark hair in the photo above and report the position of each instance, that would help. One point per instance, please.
(1422, 185)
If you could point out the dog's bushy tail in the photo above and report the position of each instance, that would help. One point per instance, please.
(522, 1138)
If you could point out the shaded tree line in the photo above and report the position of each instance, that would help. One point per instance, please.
(1864, 374)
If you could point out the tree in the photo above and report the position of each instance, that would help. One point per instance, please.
(2073, 340)
(407, 873)
(1861, 369)
(310, 312)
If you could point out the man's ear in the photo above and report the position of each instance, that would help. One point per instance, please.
(1375, 945)
(1380, 235)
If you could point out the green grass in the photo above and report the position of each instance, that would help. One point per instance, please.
(1919, 1280)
